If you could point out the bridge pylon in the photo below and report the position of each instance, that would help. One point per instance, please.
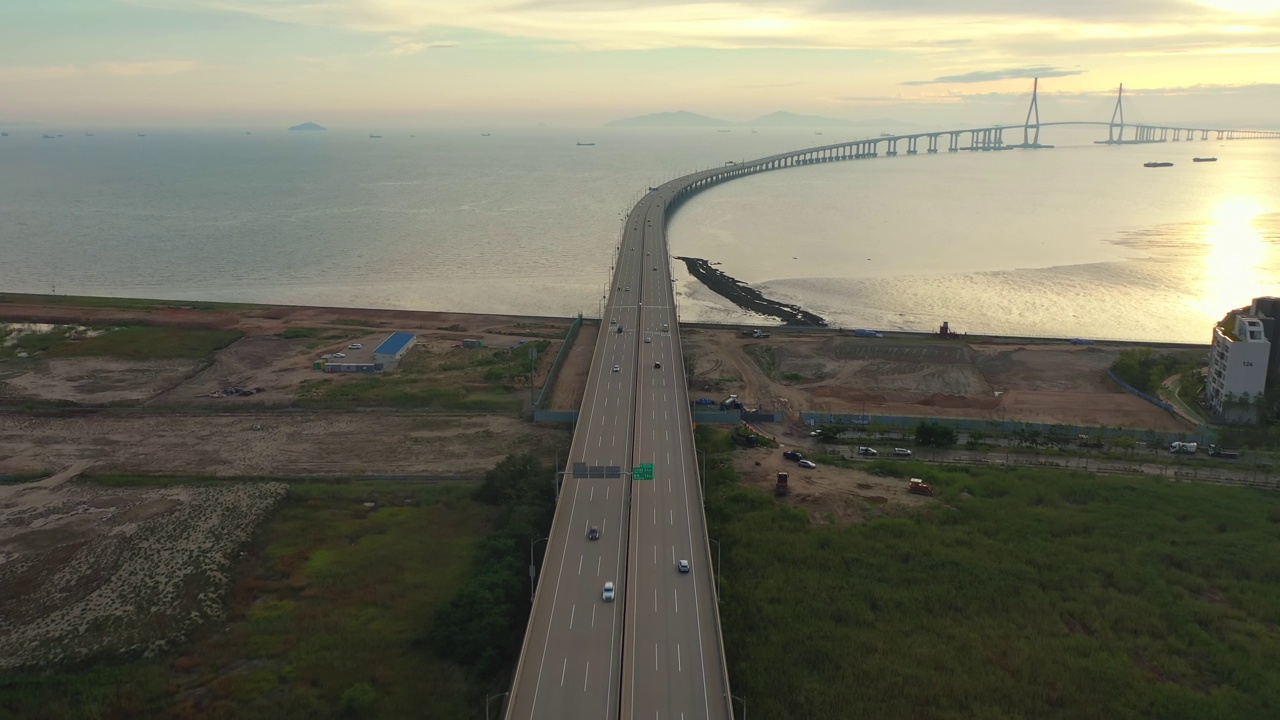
(1031, 130)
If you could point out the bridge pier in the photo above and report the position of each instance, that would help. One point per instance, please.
(911, 145)
(893, 148)
(954, 145)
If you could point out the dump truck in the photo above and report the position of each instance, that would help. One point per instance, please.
(1183, 448)
(780, 489)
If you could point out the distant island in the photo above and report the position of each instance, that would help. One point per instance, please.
(684, 118)
(308, 126)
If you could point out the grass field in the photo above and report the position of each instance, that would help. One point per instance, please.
(135, 342)
(483, 380)
(333, 596)
(1020, 594)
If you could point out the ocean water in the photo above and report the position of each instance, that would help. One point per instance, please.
(1078, 240)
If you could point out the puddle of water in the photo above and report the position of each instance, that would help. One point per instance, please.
(10, 333)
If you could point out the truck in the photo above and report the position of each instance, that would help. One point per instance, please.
(780, 489)
(756, 333)
(1183, 448)
(863, 332)
(1220, 452)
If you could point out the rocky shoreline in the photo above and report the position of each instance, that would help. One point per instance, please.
(747, 297)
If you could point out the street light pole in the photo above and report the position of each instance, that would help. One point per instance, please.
(703, 477)
(533, 569)
(718, 571)
(489, 700)
(742, 700)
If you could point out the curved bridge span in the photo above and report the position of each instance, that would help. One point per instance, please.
(621, 627)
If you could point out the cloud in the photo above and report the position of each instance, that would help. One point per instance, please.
(404, 46)
(767, 86)
(109, 68)
(978, 76)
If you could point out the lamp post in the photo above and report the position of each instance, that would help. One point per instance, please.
(742, 700)
(718, 572)
(533, 569)
(489, 700)
(555, 483)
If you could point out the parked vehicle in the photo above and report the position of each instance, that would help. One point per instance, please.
(706, 401)
(1220, 452)
(809, 464)
(919, 487)
(1183, 448)
(792, 455)
(355, 346)
(902, 452)
(781, 489)
(867, 451)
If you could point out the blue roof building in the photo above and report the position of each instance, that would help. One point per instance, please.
(393, 348)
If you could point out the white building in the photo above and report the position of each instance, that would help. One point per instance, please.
(1237, 370)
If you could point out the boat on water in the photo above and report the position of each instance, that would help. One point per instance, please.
(1214, 159)
(375, 137)
(816, 133)
(586, 144)
(142, 134)
(722, 131)
(484, 134)
(4, 134)
(88, 134)
(1157, 164)
(46, 137)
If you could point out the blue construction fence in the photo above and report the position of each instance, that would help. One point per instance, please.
(552, 374)
(907, 423)
(1153, 400)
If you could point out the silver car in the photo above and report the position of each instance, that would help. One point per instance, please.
(607, 594)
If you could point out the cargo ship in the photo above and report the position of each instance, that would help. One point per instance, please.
(1204, 159)
(1157, 164)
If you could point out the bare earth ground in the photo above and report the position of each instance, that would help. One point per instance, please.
(1033, 382)
(829, 494)
(572, 383)
(93, 380)
(88, 570)
(271, 444)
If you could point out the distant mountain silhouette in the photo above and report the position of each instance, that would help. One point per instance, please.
(777, 119)
(681, 118)
(308, 126)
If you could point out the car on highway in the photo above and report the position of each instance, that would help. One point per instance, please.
(617, 368)
(792, 455)
(808, 464)
(683, 566)
(593, 533)
(607, 595)
(655, 267)
(869, 452)
(613, 321)
(648, 340)
(355, 346)
(902, 452)
(626, 289)
(657, 365)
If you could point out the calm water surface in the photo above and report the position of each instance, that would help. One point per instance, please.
(1073, 241)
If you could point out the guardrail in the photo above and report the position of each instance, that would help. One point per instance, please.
(554, 372)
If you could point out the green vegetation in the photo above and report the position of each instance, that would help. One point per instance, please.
(327, 619)
(1146, 370)
(299, 332)
(935, 434)
(481, 379)
(764, 356)
(482, 627)
(1018, 594)
(136, 342)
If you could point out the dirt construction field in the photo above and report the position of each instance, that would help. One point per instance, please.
(1033, 382)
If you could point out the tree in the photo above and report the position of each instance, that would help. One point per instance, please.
(934, 434)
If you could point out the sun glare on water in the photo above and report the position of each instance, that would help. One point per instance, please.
(1235, 253)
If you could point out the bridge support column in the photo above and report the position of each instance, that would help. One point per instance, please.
(911, 145)
(933, 144)
(893, 148)
(954, 145)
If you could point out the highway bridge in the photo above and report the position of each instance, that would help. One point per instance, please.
(654, 650)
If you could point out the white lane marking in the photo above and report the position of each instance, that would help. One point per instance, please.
(598, 561)
(666, 435)
(573, 611)
(655, 599)
(564, 553)
(580, 557)
(562, 669)
(593, 616)
(655, 663)
(655, 516)
(675, 596)
(672, 517)
(600, 442)
(606, 493)
(586, 675)
(593, 494)
(604, 526)
(679, 663)
(655, 554)
(668, 458)
(673, 553)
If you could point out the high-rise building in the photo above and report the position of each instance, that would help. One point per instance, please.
(1238, 364)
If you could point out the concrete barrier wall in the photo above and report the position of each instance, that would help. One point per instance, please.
(731, 417)
(555, 416)
(1003, 427)
(552, 374)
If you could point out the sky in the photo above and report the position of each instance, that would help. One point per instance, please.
(425, 63)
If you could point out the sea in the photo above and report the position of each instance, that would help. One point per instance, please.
(1079, 240)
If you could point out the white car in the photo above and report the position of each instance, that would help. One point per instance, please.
(902, 452)
(355, 346)
(617, 368)
(816, 433)
(683, 566)
(338, 356)
(607, 595)
(648, 340)
(613, 321)
(808, 464)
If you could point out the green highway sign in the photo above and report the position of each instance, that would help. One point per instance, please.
(642, 472)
